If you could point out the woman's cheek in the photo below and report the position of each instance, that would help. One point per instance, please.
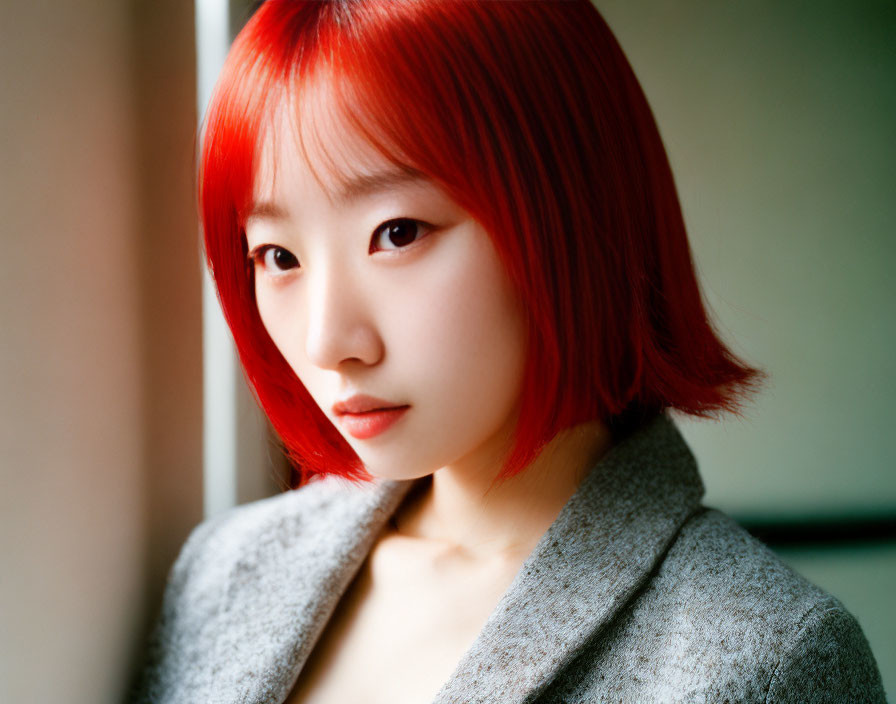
(282, 319)
(469, 325)
(270, 313)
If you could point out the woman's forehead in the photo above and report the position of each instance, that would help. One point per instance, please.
(313, 129)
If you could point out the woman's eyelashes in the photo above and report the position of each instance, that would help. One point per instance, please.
(392, 235)
(273, 259)
(398, 233)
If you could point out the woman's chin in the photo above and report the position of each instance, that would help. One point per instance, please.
(391, 472)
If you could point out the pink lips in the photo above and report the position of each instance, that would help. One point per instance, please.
(365, 417)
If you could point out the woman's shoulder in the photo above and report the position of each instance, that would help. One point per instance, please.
(713, 550)
(239, 567)
(275, 522)
(727, 574)
(726, 609)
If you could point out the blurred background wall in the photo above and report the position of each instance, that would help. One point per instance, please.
(100, 331)
(778, 120)
(778, 117)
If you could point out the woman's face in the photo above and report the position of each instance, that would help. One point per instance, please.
(387, 289)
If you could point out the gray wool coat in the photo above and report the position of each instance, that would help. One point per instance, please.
(636, 593)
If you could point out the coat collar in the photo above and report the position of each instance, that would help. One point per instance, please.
(602, 546)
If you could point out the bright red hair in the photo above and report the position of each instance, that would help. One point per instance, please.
(529, 116)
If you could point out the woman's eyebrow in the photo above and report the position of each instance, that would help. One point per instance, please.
(353, 188)
(267, 210)
(364, 185)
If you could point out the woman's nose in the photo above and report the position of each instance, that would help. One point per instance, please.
(340, 328)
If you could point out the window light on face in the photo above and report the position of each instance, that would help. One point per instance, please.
(384, 287)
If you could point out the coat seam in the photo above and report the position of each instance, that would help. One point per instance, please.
(814, 613)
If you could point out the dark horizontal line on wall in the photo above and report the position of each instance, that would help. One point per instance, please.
(822, 531)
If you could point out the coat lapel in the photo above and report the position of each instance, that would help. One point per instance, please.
(286, 587)
(599, 550)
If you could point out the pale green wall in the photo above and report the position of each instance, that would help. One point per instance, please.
(780, 121)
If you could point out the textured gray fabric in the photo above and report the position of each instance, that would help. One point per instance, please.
(636, 593)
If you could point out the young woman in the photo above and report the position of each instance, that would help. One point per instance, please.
(447, 240)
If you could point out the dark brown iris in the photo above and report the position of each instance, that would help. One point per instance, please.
(402, 232)
(284, 259)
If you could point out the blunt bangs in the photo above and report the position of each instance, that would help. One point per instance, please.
(529, 116)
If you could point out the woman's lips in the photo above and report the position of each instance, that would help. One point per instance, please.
(370, 423)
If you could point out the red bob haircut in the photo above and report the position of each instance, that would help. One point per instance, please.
(529, 116)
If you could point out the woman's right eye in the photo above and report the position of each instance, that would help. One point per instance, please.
(273, 259)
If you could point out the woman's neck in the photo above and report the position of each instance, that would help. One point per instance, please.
(455, 511)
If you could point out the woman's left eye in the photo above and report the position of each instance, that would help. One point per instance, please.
(398, 233)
